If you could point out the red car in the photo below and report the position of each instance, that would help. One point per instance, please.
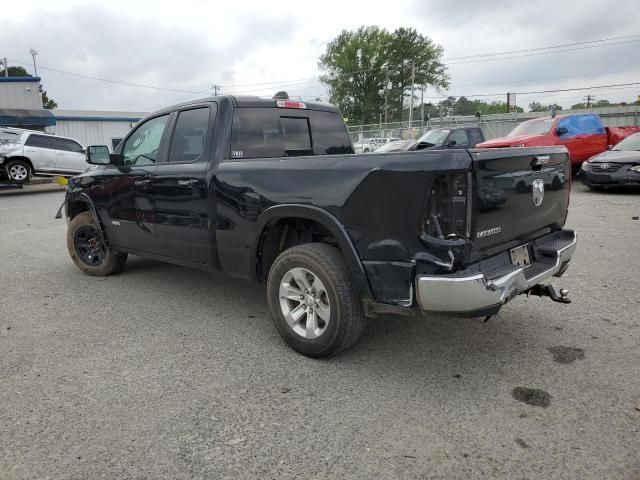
(583, 134)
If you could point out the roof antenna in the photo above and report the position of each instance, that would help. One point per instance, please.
(281, 95)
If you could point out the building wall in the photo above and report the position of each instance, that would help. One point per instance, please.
(15, 92)
(94, 127)
(92, 132)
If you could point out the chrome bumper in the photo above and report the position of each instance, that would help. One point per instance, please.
(473, 290)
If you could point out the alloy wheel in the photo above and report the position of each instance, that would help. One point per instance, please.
(304, 303)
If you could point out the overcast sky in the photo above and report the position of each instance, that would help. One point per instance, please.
(259, 47)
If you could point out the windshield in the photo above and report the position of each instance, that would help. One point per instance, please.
(7, 136)
(395, 145)
(434, 137)
(631, 143)
(539, 126)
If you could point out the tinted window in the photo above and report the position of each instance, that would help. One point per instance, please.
(475, 136)
(329, 134)
(460, 137)
(141, 148)
(66, 145)
(187, 143)
(269, 132)
(114, 143)
(40, 141)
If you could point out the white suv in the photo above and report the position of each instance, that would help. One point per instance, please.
(25, 152)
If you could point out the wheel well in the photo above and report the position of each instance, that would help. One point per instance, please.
(24, 159)
(285, 233)
(74, 208)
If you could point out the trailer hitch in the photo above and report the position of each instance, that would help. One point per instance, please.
(541, 290)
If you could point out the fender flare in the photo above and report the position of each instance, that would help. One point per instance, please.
(324, 218)
(84, 198)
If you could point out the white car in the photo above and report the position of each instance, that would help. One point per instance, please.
(24, 153)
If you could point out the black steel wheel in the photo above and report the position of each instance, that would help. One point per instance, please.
(87, 249)
(89, 246)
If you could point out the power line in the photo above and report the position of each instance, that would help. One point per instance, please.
(118, 82)
(482, 60)
(543, 48)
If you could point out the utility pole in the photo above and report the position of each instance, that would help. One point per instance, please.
(33, 53)
(508, 102)
(386, 97)
(422, 105)
(215, 89)
(413, 79)
(589, 98)
(6, 67)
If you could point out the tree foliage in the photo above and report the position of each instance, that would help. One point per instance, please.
(464, 106)
(539, 107)
(358, 64)
(47, 103)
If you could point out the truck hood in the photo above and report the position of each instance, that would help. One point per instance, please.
(507, 141)
(617, 156)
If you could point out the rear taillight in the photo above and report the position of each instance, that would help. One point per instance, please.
(446, 209)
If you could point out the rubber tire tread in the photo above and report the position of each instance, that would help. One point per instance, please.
(351, 322)
(113, 263)
(7, 167)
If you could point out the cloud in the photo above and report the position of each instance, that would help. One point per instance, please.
(194, 44)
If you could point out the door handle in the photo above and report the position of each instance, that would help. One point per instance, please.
(187, 183)
(142, 183)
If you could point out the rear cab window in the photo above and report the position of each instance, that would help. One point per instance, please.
(280, 132)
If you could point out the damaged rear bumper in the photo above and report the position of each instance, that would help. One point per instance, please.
(482, 288)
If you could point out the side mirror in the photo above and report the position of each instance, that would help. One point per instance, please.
(451, 143)
(561, 131)
(98, 155)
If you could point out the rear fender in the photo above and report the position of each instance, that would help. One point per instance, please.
(327, 220)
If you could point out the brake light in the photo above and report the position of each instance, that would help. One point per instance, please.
(290, 104)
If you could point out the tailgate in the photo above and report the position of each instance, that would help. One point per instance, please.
(518, 193)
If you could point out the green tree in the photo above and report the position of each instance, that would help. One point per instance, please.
(411, 53)
(47, 103)
(15, 72)
(357, 65)
(539, 107)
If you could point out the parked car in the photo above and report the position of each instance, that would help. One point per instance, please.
(24, 153)
(395, 146)
(583, 134)
(371, 144)
(439, 138)
(617, 167)
(235, 184)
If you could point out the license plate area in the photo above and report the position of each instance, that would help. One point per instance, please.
(520, 256)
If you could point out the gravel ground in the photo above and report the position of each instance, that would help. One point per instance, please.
(166, 372)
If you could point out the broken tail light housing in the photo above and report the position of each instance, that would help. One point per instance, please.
(446, 208)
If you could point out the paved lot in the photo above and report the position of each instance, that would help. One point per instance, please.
(165, 372)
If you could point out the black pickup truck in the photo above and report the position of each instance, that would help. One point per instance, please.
(270, 190)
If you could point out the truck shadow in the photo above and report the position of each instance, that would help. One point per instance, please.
(445, 346)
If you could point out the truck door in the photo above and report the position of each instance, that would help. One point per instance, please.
(180, 189)
(583, 135)
(125, 203)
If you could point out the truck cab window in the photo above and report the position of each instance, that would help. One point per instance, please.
(270, 132)
(330, 136)
(187, 143)
(141, 148)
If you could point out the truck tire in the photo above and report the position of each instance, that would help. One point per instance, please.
(17, 171)
(88, 252)
(312, 300)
